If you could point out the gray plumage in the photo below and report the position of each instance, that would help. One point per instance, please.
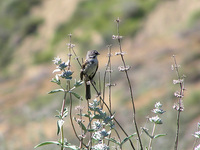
(89, 69)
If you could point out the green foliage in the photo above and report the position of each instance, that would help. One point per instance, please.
(31, 26)
(78, 83)
(43, 56)
(56, 91)
(67, 145)
(47, 143)
(82, 126)
(89, 18)
(76, 95)
(127, 138)
(39, 102)
(15, 24)
(159, 135)
(194, 18)
(59, 125)
(19, 8)
(62, 116)
(193, 99)
(156, 120)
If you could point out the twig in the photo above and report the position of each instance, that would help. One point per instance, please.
(70, 47)
(62, 112)
(81, 142)
(180, 107)
(152, 134)
(109, 77)
(129, 83)
(99, 81)
(89, 125)
(109, 70)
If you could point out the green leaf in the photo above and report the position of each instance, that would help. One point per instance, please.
(56, 80)
(98, 117)
(146, 131)
(71, 147)
(81, 125)
(55, 91)
(85, 115)
(78, 83)
(67, 74)
(159, 135)
(91, 130)
(58, 116)
(65, 113)
(112, 140)
(76, 95)
(47, 143)
(59, 125)
(127, 138)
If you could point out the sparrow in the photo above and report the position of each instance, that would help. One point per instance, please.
(89, 69)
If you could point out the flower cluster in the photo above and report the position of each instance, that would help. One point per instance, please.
(120, 53)
(114, 37)
(156, 120)
(197, 148)
(61, 66)
(197, 136)
(102, 120)
(179, 94)
(100, 147)
(157, 110)
(122, 68)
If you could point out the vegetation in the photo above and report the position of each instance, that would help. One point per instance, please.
(100, 132)
(100, 19)
(15, 26)
(27, 113)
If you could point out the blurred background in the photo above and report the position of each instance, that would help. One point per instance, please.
(33, 32)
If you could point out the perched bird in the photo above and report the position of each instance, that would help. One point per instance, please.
(89, 69)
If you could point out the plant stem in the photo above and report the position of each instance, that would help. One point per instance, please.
(129, 84)
(109, 81)
(90, 134)
(70, 47)
(177, 130)
(109, 77)
(179, 104)
(71, 120)
(117, 135)
(151, 139)
(62, 111)
(81, 118)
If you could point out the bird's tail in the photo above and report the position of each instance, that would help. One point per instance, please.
(88, 93)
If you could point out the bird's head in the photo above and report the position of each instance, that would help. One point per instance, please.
(92, 53)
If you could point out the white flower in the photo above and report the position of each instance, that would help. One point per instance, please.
(197, 148)
(100, 147)
(158, 105)
(57, 60)
(178, 81)
(155, 120)
(197, 134)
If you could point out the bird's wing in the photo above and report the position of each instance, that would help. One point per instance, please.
(82, 69)
(91, 77)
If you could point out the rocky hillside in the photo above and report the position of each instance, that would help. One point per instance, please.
(152, 32)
